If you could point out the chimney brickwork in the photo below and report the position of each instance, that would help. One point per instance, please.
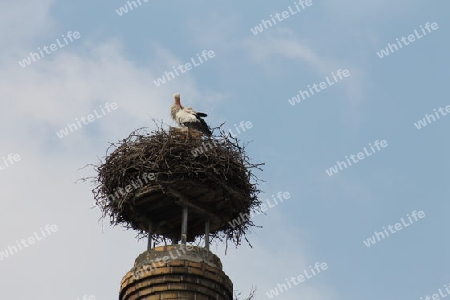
(176, 272)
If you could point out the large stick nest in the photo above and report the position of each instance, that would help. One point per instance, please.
(150, 175)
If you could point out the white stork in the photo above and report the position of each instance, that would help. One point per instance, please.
(187, 117)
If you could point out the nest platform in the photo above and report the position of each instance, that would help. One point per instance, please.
(210, 176)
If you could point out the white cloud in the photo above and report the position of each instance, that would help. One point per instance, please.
(283, 42)
(22, 21)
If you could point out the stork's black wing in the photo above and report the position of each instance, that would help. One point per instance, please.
(200, 125)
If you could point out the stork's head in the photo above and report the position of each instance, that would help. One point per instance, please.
(176, 98)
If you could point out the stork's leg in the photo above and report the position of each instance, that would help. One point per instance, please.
(188, 132)
(150, 231)
(184, 220)
(207, 223)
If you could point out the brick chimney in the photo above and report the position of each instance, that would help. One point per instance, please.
(176, 271)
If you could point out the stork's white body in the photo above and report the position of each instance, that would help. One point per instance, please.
(187, 117)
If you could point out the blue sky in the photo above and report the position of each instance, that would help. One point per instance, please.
(251, 78)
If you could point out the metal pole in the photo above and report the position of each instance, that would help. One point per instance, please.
(150, 231)
(184, 221)
(207, 234)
